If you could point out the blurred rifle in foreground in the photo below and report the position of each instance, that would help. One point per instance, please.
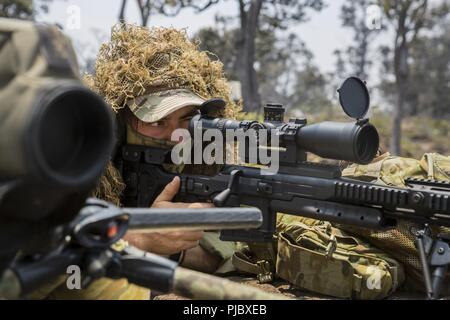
(91, 243)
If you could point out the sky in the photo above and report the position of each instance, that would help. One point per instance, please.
(322, 34)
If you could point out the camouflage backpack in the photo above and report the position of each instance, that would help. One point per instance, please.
(315, 256)
(399, 242)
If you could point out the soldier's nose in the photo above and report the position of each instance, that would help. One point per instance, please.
(168, 133)
(173, 125)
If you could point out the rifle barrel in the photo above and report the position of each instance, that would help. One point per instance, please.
(194, 219)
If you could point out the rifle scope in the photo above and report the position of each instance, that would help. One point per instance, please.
(353, 141)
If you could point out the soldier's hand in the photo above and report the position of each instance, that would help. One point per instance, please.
(164, 200)
(165, 243)
(171, 242)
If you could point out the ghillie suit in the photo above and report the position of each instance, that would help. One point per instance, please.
(139, 61)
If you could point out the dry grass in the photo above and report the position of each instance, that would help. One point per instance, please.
(139, 60)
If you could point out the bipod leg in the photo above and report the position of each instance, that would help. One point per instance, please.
(434, 257)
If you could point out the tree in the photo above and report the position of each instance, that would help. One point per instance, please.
(430, 78)
(408, 18)
(165, 7)
(21, 9)
(284, 66)
(87, 50)
(24, 9)
(429, 65)
(354, 15)
(123, 7)
(146, 8)
(309, 93)
(220, 42)
(429, 86)
(340, 65)
(387, 83)
(276, 14)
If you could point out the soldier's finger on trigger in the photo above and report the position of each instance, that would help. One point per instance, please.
(169, 191)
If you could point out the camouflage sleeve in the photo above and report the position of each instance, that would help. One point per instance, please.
(222, 249)
(102, 289)
(44, 291)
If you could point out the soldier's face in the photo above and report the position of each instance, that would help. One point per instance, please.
(163, 128)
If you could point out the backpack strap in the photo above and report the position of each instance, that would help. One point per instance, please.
(260, 268)
(259, 259)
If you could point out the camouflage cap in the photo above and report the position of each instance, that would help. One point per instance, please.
(155, 106)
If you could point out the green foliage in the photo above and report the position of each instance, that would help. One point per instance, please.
(286, 71)
(429, 70)
(221, 43)
(310, 91)
(20, 9)
(430, 75)
(419, 134)
(250, 116)
(354, 16)
(278, 14)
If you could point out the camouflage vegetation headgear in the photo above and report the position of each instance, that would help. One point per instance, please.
(140, 60)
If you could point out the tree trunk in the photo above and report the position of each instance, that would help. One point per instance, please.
(397, 121)
(401, 78)
(364, 48)
(145, 10)
(404, 28)
(122, 11)
(244, 66)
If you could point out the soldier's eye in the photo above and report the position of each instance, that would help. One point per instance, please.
(190, 116)
(157, 124)
(187, 118)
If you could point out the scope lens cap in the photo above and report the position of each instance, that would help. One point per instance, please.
(354, 97)
(212, 105)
